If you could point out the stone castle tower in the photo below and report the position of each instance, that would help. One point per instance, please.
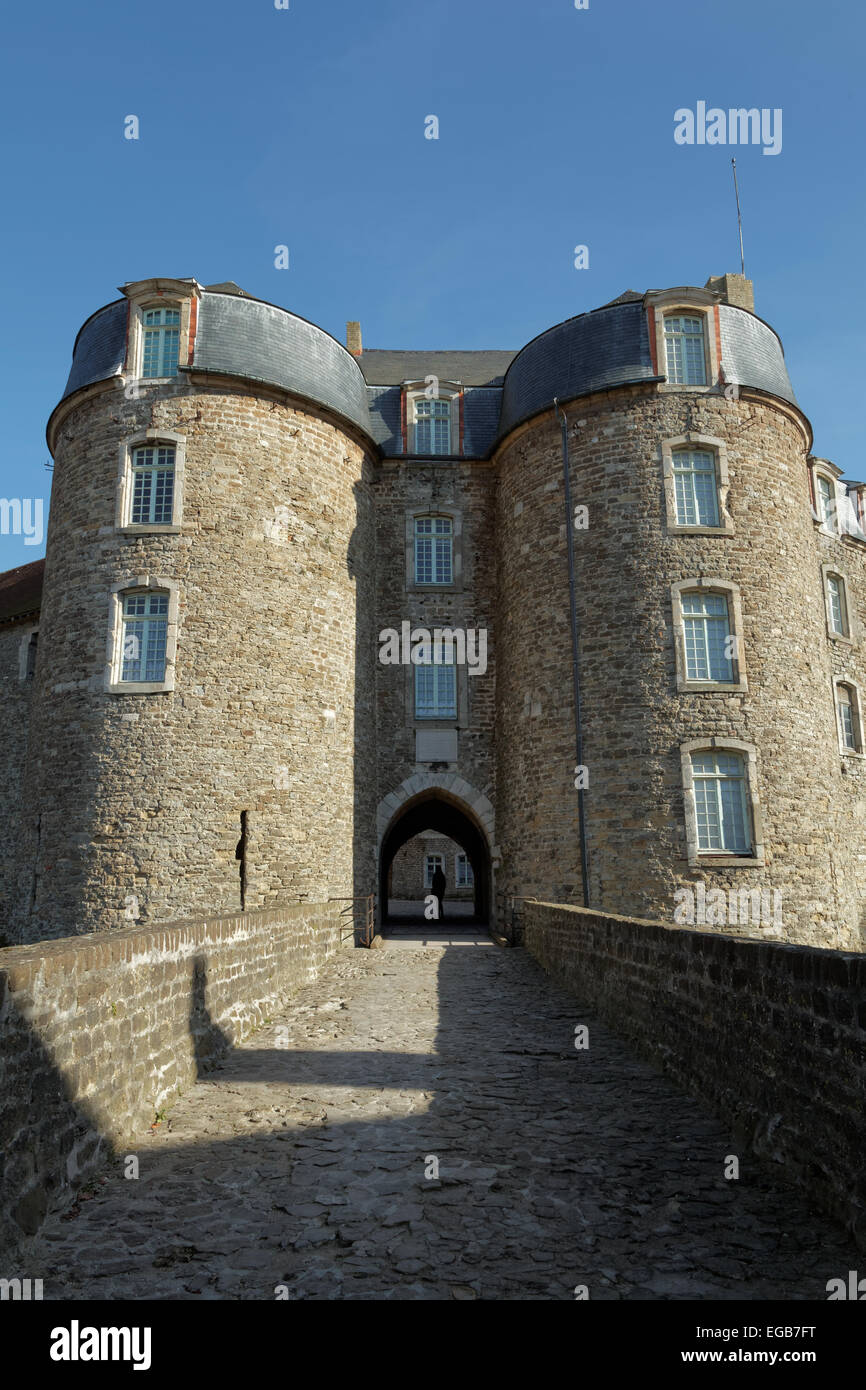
(242, 507)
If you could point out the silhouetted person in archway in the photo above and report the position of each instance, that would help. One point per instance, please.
(437, 883)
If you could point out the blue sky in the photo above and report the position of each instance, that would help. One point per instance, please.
(305, 127)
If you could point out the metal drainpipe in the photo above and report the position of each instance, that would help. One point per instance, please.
(575, 637)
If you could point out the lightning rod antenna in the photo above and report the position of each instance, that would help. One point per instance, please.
(739, 219)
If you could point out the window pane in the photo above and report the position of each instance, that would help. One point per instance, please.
(161, 342)
(706, 628)
(145, 627)
(845, 706)
(433, 550)
(436, 692)
(720, 803)
(684, 343)
(695, 488)
(826, 501)
(432, 426)
(153, 485)
(836, 605)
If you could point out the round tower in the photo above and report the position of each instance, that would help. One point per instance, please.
(710, 748)
(204, 652)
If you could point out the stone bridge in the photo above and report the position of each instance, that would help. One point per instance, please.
(245, 1109)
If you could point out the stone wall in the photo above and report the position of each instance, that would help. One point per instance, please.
(99, 1032)
(133, 800)
(772, 1036)
(407, 869)
(465, 492)
(635, 718)
(16, 690)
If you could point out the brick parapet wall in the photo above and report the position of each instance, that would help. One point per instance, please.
(98, 1032)
(772, 1036)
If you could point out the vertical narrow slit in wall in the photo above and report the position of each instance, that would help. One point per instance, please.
(241, 856)
(31, 655)
(35, 879)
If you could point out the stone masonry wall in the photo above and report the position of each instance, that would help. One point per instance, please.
(99, 1032)
(407, 870)
(635, 719)
(134, 801)
(15, 691)
(465, 491)
(771, 1036)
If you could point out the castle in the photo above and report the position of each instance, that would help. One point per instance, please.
(670, 587)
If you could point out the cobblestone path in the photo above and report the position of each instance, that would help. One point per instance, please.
(304, 1165)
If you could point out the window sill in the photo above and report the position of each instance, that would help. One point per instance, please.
(675, 530)
(683, 386)
(139, 687)
(708, 687)
(136, 529)
(726, 861)
(844, 637)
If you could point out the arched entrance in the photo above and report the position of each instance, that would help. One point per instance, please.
(437, 810)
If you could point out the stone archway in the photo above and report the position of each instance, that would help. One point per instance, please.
(454, 808)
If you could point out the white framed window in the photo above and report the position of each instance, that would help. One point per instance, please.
(434, 550)
(150, 482)
(160, 340)
(463, 876)
(685, 349)
(836, 599)
(696, 484)
(825, 498)
(721, 805)
(723, 816)
(162, 330)
(432, 862)
(696, 491)
(708, 626)
(152, 485)
(432, 426)
(142, 641)
(436, 686)
(145, 634)
(707, 629)
(432, 418)
(849, 717)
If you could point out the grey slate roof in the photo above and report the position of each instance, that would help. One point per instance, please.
(752, 354)
(99, 348)
(384, 367)
(246, 337)
(608, 347)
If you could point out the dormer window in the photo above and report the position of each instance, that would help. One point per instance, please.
(163, 319)
(432, 426)
(685, 351)
(826, 498)
(432, 419)
(160, 341)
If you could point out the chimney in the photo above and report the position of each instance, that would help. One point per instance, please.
(353, 339)
(734, 289)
